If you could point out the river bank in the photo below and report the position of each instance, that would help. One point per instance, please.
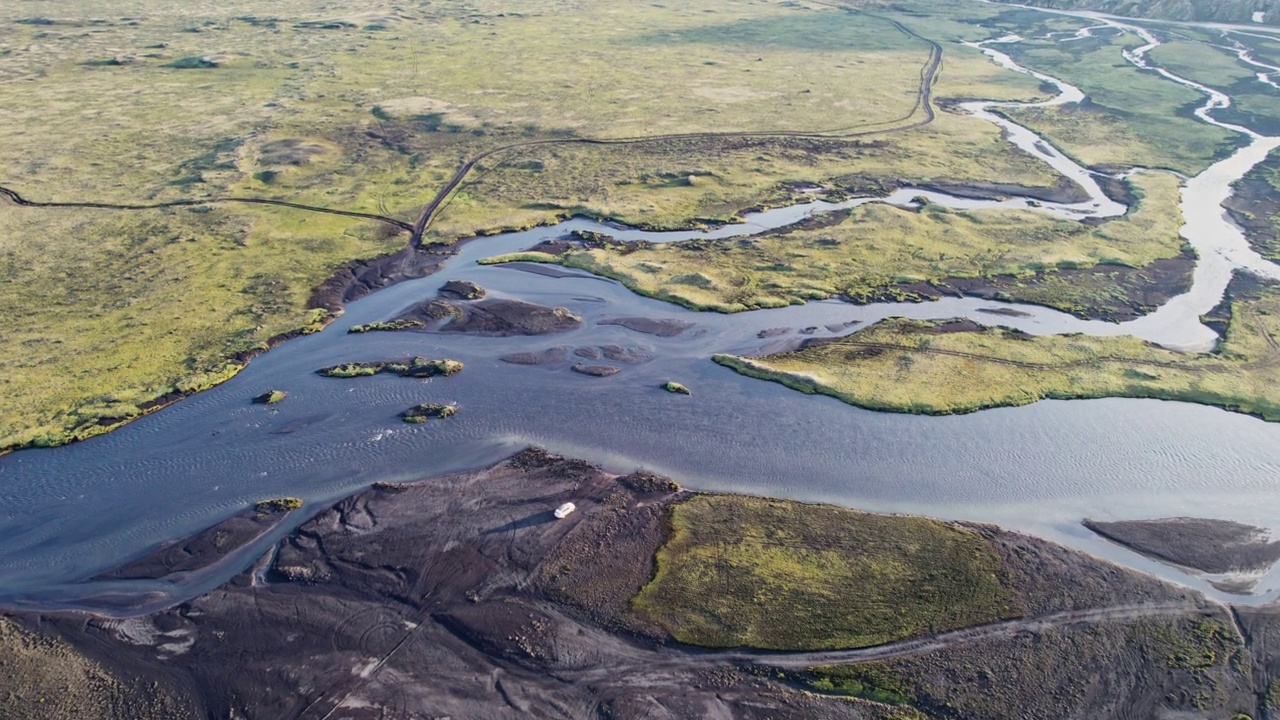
(462, 594)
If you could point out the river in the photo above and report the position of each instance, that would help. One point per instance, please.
(69, 513)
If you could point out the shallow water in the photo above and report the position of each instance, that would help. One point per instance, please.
(68, 513)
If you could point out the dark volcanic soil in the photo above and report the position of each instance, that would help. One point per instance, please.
(1252, 206)
(362, 277)
(596, 370)
(1211, 546)
(201, 551)
(465, 597)
(550, 356)
(432, 600)
(665, 327)
(493, 317)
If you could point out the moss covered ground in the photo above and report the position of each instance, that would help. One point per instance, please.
(740, 571)
(1254, 104)
(1190, 668)
(934, 367)
(46, 679)
(865, 252)
(371, 109)
(1132, 118)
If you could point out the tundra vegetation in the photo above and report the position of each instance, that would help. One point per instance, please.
(388, 326)
(876, 251)
(278, 505)
(946, 367)
(114, 313)
(371, 111)
(780, 575)
(415, 367)
(270, 397)
(427, 411)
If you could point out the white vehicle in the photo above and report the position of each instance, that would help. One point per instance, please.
(563, 511)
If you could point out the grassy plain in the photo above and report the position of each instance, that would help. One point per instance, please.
(372, 110)
(942, 368)
(1132, 118)
(740, 571)
(1254, 104)
(875, 247)
(110, 311)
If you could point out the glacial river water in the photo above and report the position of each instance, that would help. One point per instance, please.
(69, 513)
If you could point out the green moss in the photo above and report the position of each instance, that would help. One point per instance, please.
(278, 505)
(675, 387)
(877, 253)
(920, 367)
(428, 411)
(780, 575)
(870, 681)
(270, 397)
(391, 326)
(415, 367)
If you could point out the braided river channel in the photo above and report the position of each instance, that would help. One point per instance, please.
(69, 513)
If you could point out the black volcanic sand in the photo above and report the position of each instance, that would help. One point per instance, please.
(627, 354)
(362, 277)
(1252, 205)
(596, 370)
(201, 551)
(664, 327)
(464, 597)
(550, 356)
(1004, 312)
(445, 599)
(1211, 546)
(493, 317)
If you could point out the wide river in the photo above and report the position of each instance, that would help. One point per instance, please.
(69, 513)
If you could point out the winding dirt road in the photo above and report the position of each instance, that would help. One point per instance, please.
(21, 201)
(924, 100)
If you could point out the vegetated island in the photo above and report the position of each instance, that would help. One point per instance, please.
(413, 367)
(648, 597)
(427, 411)
(1115, 269)
(270, 397)
(959, 366)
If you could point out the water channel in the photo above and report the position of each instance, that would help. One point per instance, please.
(69, 513)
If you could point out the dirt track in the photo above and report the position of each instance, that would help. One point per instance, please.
(924, 99)
(462, 596)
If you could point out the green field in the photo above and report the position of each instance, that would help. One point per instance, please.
(773, 574)
(372, 110)
(1131, 118)
(1254, 104)
(940, 368)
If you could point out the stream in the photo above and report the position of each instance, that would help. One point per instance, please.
(69, 513)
